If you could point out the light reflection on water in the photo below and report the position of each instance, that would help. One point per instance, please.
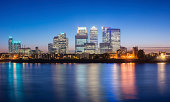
(84, 82)
(128, 80)
(161, 76)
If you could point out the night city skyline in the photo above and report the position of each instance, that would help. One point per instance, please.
(84, 50)
(142, 23)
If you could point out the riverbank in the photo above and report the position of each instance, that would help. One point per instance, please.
(84, 61)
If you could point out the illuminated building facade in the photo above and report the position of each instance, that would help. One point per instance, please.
(105, 35)
(10, 44)
(16, 46)
(94, 37)
(25, 51)
(90, 48)
(80, 39)
(105, 48)
(13, 46)
(50, 47)
(60, 44)
(135, 52)
(111, 36)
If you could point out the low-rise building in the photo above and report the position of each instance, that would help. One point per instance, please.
(25, 51)
(105, 48)
(90, 48)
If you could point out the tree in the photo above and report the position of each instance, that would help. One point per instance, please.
(141, 54)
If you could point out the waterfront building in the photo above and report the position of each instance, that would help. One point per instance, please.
(25, 51)
(13, 46)
(36, 51)
(10, 44)
(60, 44)
(80, 39)
(105, 35)
(105, 48)
(50, 47)
(112, 36)
(90, 48)
(16, 46)
(94, 37)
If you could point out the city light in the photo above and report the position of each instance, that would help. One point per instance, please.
(163, 56)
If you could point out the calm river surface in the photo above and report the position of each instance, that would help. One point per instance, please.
(126, 82)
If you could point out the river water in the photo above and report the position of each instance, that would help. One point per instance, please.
(126, 82)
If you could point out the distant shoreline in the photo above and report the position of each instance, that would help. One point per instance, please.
(84, 61)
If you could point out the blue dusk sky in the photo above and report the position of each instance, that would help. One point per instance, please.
(143, 23)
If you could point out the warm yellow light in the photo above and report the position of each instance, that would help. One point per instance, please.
(14, 57)
(163, 56)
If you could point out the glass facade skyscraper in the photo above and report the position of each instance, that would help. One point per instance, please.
(94, 37)
(10, 44)
(16, 46)
(115, 39)
(105, 35)
(111, 36)
(60, 44)
(80, 39)
(13, 46)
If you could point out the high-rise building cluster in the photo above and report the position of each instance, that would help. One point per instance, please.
(13, 46)
(84, 44)
(110, 40)
(59, 45)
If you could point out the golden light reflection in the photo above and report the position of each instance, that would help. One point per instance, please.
(128, 81)
(23, 65)
(161, 76)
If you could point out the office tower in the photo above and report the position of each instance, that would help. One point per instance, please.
(16, 46)
(50, 48)
(94, 37)
(112, 36)
(115, 39)
(36, 50)
(90, 48)
(105, 35)
(13, 46)
(10, 44)
(80, 39)
(60, 44)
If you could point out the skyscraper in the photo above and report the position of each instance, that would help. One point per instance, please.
(111, 36)
(105, 35)
(13, 46)
(16, 46)
(94, 37)
(115, 39)
(50, 48)
(10, 44)
(60, 44)
(80, 39)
